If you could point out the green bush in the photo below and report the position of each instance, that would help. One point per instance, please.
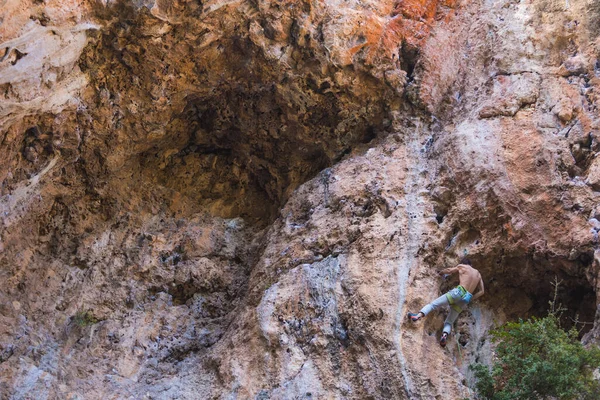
(537, 359)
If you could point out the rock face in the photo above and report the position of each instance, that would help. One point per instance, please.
(242, 199)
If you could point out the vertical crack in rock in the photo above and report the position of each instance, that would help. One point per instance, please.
(413, 188)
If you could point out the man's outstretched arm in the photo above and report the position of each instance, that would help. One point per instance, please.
(480, 291)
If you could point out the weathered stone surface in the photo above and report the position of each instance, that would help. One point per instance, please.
(242, 199)
(593, 176)
(511, 93)
(40, 45)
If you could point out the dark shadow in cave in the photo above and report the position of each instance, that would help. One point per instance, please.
(241, 159)
(522, 287)
(243, 131)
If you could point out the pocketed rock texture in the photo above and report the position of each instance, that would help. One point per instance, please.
(243, 199)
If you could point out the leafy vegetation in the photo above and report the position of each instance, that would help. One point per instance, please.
(538, 359)
(84, 318)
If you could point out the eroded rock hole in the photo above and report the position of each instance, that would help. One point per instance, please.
(521, 289)
(408, 59)
(240, 132)
(242, 155)
(439, 217)
(181, 293)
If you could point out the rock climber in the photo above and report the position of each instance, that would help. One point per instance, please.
(457, 298)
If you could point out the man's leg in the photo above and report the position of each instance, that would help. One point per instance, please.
(452, 315)
(455, 308)
(434, 305)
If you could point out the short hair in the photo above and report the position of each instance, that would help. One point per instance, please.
(465, 261)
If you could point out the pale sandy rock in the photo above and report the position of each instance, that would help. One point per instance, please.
(510, 94)
(576, 65)
(40, 68)
(593, 175)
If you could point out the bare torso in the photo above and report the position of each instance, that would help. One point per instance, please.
(469, 277)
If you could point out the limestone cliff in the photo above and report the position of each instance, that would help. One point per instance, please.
(243, 198)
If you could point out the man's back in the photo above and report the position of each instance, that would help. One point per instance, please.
(469, 277)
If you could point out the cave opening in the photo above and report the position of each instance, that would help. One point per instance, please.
(224, 129)
(574, 301)
(241, 154)
(521, 288)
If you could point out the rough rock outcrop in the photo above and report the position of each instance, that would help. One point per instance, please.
(242, 199)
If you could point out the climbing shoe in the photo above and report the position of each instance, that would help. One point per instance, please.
(444, 339)
(414, 317)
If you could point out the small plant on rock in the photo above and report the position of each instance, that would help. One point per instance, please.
(84, 318)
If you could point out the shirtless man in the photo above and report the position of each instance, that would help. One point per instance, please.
(457, 298)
